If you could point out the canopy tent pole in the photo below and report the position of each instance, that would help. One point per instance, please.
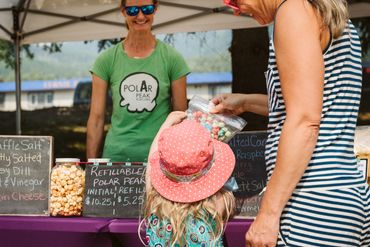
(17, 36)
(18, 85)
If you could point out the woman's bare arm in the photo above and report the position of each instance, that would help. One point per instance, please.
(95, 123)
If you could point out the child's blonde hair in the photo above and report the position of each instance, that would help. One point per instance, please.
(177, 213)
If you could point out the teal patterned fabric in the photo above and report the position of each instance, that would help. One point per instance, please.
(198, 234)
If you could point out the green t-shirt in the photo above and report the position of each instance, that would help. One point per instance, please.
(141, 93)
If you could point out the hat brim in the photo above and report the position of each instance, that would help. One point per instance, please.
(201, 188)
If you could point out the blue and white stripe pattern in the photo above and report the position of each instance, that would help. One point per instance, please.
(327, 218)
(331, 204)
(333, 163)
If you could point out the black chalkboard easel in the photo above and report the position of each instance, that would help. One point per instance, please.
(25, 163)
(114, 190)
(250, 170)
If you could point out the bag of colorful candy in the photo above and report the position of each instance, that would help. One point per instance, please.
(221, 126)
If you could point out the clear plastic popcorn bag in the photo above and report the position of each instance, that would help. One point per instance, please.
(221, 127)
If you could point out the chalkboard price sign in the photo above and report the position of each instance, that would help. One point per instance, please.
(250, 170)
(248, 207)
(114, 190)
(25, 163)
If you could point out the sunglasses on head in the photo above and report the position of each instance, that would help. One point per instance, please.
(134, 10)
(232, 4)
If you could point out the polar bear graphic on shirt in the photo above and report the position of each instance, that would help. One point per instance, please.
(139, 92)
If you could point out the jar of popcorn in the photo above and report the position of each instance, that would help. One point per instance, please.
(67, 187)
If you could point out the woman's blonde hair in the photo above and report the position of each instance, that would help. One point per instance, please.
(334, 14)
(178, 213)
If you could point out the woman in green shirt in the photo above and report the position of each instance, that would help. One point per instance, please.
(148, 80)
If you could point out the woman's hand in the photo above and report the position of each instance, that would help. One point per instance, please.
(234, 103)
(229, 103)
(263, 232)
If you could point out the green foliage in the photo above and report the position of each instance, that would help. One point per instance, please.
(73, 62)
(52, 47)
(7, 53)
(204, 52)
(104, 44)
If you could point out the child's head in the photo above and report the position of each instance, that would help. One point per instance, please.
(177, 213)
(188, 173)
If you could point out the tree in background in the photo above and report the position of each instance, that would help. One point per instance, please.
(7, 53)
(204, 52)
(104, 44)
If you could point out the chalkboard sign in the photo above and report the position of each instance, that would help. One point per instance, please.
(114, 190)
(247, 207)
(250, 169)
(25, 163)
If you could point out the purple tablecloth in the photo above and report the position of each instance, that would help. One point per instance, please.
(29, 231)
(60, 224)
(235, 232)
(126, 231)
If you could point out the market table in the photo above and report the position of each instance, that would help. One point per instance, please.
(38, 231)
(126, 231)
(19, 231)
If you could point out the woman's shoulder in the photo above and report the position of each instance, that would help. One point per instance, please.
(295, 11)
(294, 20)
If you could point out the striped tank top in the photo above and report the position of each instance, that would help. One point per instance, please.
(333, 163)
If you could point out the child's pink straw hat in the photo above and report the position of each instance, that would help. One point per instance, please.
(189, 165)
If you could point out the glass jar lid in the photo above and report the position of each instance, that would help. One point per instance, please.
(67, 160)
(99, 160)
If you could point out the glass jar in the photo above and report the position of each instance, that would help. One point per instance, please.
(67, 187)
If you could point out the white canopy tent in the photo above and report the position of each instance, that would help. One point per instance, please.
(72, 20)
(35, 21)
